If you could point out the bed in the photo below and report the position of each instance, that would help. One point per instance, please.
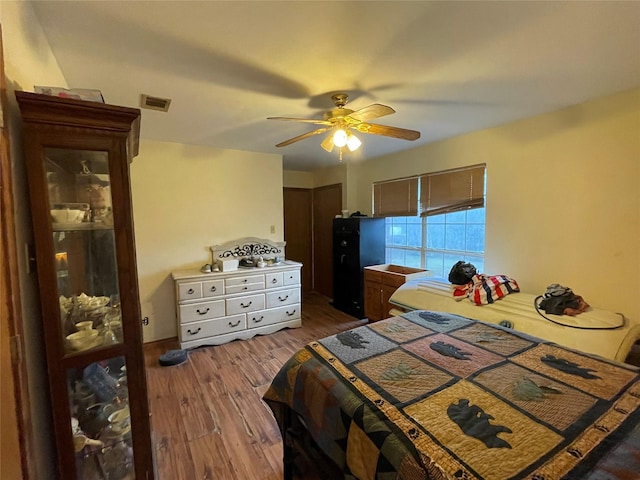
(601, 337)
(432, 395)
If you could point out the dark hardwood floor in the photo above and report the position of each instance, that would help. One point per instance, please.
(207, 415)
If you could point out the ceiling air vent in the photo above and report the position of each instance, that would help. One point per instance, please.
(155, 103)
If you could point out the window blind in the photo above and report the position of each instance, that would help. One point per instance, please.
(452, 190)
(396, 198)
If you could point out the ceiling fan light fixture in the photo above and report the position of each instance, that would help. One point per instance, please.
(340, 138)
(353, 142)
(340, 121)
(327, 143)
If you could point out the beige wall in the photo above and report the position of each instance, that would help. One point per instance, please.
(563, 203)
(28, 60)
(319, 178)
(187, 198)
(296, 179)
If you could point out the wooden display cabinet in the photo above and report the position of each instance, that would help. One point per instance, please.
(380, 281)
(77, 159)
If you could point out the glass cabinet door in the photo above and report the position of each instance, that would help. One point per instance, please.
(101, 420)
(79, 191)
(78, 184)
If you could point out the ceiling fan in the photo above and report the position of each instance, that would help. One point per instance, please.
(340, 122)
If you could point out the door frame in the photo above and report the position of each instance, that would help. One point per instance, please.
(15, 374)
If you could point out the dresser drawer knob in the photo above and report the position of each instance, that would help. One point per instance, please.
(290, 313)
(245, 280)
(194, 333)
(213, 289)
(191, 291)
(247, 305)
(283, 299)
(233, 325)
(202, 313)
(258, 320)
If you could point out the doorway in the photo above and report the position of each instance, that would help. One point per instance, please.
(298, 224)
(308, 231)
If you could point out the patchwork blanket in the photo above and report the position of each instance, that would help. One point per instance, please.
(430, 395)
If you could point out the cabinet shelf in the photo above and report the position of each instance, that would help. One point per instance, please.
(77, 359)
(72, 227)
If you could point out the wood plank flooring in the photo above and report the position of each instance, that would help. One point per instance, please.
(207, 415)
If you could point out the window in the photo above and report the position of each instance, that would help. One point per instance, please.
(438, 241)
(451, 225)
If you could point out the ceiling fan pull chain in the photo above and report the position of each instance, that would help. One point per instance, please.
(340, 156)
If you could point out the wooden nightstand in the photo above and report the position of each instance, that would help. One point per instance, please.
(380, 281)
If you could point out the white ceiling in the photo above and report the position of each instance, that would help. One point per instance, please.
(446, 67)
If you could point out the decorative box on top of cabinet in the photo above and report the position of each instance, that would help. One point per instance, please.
(77, 159)
(220, 306)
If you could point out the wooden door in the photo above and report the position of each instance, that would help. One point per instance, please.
(327, 203)
(297, 230)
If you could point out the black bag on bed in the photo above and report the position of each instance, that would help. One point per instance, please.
(461, 273)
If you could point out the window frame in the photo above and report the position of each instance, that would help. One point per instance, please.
(456, 191)
(474, 256)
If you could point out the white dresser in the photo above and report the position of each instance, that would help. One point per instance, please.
(215, 308)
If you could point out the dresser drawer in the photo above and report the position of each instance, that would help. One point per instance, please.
(274, 315)
(248, 303)
(273, 280)
(209, 328)
(201, 311)
(283, 297)
(243, 280)
(189, 290)
(291, 277)
(245, 287)
(212, 288)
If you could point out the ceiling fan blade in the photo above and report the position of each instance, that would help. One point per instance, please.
(327, 143)
(302, 137)
(372, 111)
(303, 120)
(387, 131)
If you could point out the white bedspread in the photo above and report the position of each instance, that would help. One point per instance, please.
(436, 294)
